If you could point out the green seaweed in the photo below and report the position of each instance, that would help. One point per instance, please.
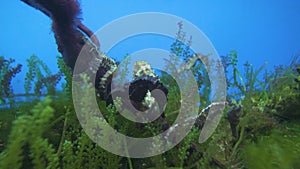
(7, 73)
(39, 74)
(280, 149)
(45, 133)
(27, 142)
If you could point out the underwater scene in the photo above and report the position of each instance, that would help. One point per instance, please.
(149, 84)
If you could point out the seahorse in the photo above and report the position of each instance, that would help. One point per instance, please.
(71, 41)
(66, 25)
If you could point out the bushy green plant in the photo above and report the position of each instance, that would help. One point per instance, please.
(39, 74)
(27, 141)
(265, 135)
(7, 73)
(280, 149)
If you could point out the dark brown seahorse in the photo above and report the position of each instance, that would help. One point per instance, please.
(66, 25)
(71, 42)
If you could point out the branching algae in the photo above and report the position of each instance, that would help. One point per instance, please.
(259, 128)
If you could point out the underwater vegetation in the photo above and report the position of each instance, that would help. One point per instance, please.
(7, 72)
(259, 127)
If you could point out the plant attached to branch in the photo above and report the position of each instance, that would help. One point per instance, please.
(40, 75)
(7, 73)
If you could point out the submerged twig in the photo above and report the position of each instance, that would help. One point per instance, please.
(62, 135)
(234, 151)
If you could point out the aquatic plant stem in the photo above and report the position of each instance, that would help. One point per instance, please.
(128, 158)
(56, 121)
(62, 136)
(130, 163)
(234, 151)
